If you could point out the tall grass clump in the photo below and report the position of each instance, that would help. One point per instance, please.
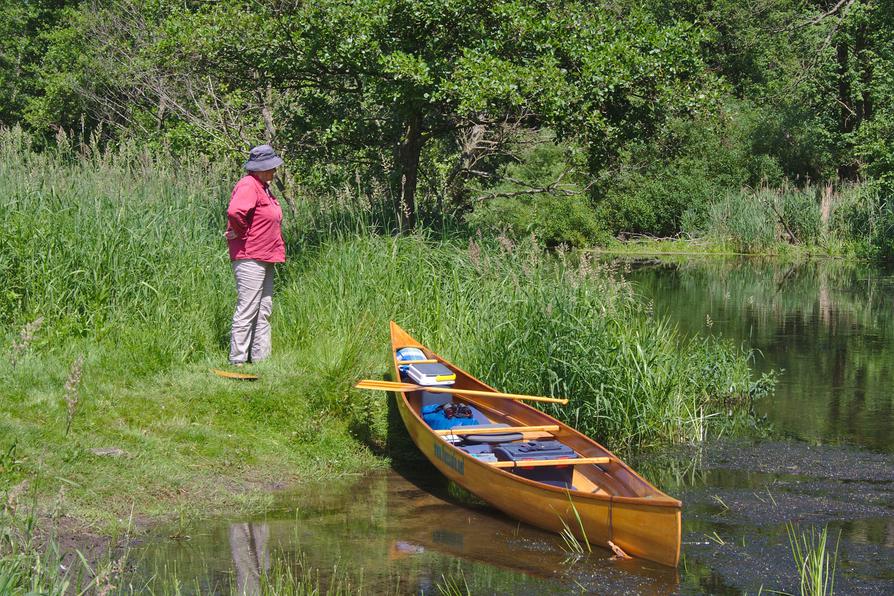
(813, 559)
(114, 245)
(838, 220)
(529, 322)
(25, 567)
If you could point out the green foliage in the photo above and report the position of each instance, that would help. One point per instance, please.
(688, 164)
(673, 104)
(365, 86)
(128, 266)
(555, 220)
(542, 194)
(875, 145)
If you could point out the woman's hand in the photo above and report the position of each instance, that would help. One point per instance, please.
(230, 235)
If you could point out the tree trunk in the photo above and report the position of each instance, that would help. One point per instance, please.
(864, 63)
(407, 166)
(846, 115)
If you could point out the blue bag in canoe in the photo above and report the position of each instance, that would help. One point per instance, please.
(447, 416)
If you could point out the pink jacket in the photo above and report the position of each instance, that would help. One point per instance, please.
(255, 217)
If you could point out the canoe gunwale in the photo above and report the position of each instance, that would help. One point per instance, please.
(659, 499)
(646, 524)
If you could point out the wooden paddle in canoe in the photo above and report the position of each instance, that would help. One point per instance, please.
(394, 386)
(604, 501)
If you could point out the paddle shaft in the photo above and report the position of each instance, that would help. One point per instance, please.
(580, 461)
(499, 430)
(394, 386)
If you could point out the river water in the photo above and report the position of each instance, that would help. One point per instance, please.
(824, 459)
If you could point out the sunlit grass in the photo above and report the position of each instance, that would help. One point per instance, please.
(120, 255)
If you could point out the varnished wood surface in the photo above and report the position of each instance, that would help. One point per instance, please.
(613, 502)
(500, 430)
(536, 463)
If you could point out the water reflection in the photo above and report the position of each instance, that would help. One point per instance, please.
(251, 559)
(400, 538)
(406, 534)
(827, 325)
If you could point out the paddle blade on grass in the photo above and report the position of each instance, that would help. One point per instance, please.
(234, 375)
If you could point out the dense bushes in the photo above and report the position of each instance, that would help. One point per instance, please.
(542, 194)
(850, 219)
(688, 165)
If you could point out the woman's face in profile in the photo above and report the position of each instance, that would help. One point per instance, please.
(265, 176)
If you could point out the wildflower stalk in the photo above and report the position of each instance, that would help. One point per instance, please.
(72, 398)
(26, 336)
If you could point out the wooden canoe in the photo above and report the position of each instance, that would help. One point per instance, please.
(614, 503)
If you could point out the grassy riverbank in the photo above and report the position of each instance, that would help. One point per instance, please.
(700, 246)
(787, 222)
(117, 301)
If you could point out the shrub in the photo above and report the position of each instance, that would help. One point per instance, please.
(542, 195)
(553, 219)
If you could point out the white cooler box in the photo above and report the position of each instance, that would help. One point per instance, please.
(431, 374)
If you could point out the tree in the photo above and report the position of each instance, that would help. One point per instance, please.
(26, 29)
(373, 74)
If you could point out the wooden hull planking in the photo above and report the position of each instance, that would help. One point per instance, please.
(627, 510)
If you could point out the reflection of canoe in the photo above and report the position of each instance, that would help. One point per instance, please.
(614, 503)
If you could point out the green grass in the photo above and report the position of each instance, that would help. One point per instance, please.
(121, 257)
(786, 222)
(813, 559)
(811, 220)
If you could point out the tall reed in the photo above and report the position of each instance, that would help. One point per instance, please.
(814, 561)
(124, 251)
(818, 216)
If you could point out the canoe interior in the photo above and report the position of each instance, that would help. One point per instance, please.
(613, 499)
(609, 479)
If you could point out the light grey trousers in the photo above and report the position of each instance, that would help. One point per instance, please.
(250, 335)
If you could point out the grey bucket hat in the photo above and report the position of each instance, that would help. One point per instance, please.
(261, 158)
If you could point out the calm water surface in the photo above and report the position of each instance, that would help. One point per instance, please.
(829, 327)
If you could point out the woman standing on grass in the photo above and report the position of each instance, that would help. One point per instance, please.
(254, 233)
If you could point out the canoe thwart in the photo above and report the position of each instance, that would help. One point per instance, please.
(499, 430)
(426, 361)
(580, 461)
